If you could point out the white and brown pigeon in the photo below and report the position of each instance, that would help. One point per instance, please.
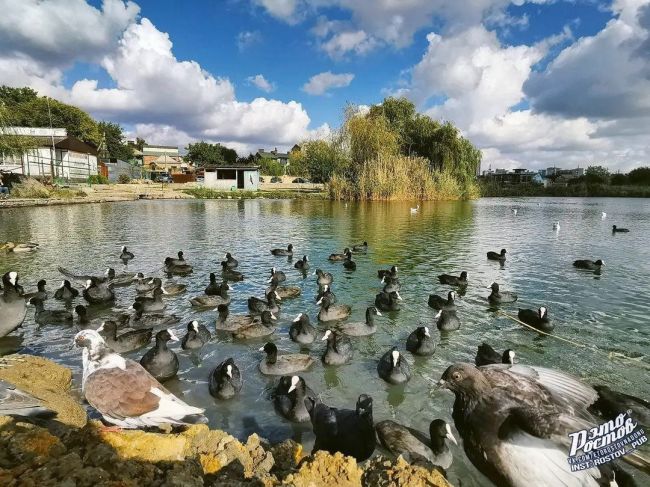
(126, 394)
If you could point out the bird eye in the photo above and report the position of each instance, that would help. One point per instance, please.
(456, 376)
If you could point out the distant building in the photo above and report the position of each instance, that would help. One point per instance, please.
(55, 155)
(232, 177)
(280, 157)
(505, 177)
(557, 171)
(158, 159)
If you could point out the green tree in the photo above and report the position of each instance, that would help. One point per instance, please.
(203, 153)
(12, 145)
(639, 176)
(618, 180)
(298, 164)
(115, 143)
(596, 175)
(322, 159)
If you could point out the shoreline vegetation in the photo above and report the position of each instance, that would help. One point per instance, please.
(392, 153)
(572, 191)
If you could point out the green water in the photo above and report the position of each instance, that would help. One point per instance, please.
(609, 311)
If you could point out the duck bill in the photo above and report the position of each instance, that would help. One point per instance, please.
(451, 438)
(172, 336)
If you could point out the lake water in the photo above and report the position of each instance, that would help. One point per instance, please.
(609, 311)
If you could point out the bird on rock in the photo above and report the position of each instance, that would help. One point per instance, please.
(124, 393)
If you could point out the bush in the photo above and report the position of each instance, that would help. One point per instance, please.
(97, 179)
(124, 179)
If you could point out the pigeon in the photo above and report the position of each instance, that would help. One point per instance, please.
(124, 393)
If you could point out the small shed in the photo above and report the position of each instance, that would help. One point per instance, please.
(232, 177)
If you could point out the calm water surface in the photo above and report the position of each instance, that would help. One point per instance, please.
(609, 311)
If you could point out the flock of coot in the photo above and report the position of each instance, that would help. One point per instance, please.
(514, 419)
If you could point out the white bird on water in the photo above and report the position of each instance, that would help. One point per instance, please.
(604, 215)
(514, 211)
(556, 226)
(415, 210)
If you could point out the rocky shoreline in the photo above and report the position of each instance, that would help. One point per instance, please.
(76, 452)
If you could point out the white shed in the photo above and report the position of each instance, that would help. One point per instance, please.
(232, 178)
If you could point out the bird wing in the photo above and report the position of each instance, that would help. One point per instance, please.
(121, 393)
(80, 278)
(14, 401)
(324, 421)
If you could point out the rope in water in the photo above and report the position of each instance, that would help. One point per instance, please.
(593, 348)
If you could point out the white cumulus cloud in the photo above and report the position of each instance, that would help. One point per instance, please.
(261, 82)
(320, 83)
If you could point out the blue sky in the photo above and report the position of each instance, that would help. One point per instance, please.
(530, 82)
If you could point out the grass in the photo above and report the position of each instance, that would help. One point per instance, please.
(212, 194)
(395, 178)
(32, 189)
(577, 190)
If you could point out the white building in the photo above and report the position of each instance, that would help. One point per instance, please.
(55, 155)
(232, 178)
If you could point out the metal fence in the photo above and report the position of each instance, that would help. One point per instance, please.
(46, 163)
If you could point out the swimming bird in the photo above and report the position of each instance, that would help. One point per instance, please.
(326, 290)
(288, 252)
(514, 211)
(615, 229)
(391, 284)
(348, 263)
(196, 336)
(589, 264)
(277, 276)
(339, 257)
(258, 328)
(388, 301)
(230, 261)
(393, 367)
(414, 445)
(350, 432)
(447, 320)
(126, 342)
(258, 305)
(19, 247)
(323, 277)
(160, 361)
(108, 275)
(119, 318)
(124, 393)
(180, 260)
(205, 301)
(213, 288)
(332, 312)
(459, 281)
(230, 274)
(227, 322)
(603, 215)
(537, 319)
(16, 402)
(285, 292)
(486, 355)
(154, 303)
(40, 293)
(516, 423)
(98, 292)
(392, 272)
(556, 226)
(415, 210)
(289, 398)
(500, 256)
(66, 292)
(301, 330)
(274, 364)
(225, 380)
(171, 288)
(140, 319)
(438, 302)
(44, 316)
(362, 247)
(419, 342)
(358, 329)
(179, 269)
(144, 285)
(499, 297)
(126, 256)
(338, 350)
(302, 264)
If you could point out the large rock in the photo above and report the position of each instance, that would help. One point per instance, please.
(47, 381)
(324, 469)
(381, 472)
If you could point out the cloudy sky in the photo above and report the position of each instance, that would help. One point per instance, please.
(533, 83)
